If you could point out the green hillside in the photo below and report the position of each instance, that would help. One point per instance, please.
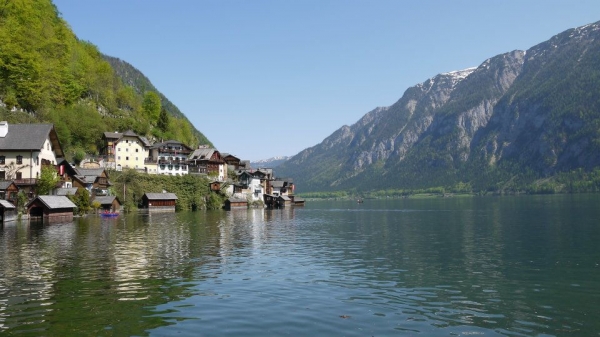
(48, 75)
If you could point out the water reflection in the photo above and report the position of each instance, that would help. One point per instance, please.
(493, 266)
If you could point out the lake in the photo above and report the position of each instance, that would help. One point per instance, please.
(489, 266)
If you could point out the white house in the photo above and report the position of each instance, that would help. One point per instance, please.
(131, 151)
(25, 149)
(170, 157)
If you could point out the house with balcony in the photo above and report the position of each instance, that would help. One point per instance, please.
(169, 158)
(206, 160)
(24, 150)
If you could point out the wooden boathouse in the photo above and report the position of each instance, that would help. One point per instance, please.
(8, 212)
(51, 208)
(109, 203)
(159, 202)
(235, 203)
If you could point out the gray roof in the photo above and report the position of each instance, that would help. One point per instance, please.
(285, 198)
(145, 141)
(161, 196)
(89, 172)
(28, 137)
(5, 183)
(277, 183)
(171, 143)
(202, 154)
(106, 200)
(112, 135)
(6, 204)
(54, 201)
(66, 191)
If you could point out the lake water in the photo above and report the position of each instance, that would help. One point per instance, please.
(491, 266)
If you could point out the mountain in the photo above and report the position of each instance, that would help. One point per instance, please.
(48, 75)
(134, 78)
(270, 163)
(516, 118)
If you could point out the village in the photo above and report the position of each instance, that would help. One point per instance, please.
(27, 149)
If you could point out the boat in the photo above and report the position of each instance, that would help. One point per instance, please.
(109, 214)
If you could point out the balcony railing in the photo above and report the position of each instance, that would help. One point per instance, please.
(26, 181)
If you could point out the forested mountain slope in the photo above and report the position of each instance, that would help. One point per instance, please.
(48, 75)
(515, 119)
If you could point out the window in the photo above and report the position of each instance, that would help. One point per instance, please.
(126, 149)
(2, 175)
(126, 158)
(19, 160)
(19, 175)
(136, 150)
(119, 158)
(136, 158)
(2, 159)
(119, 149)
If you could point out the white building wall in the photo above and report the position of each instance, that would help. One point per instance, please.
(173, 168)
(31, 164)
(130, 153)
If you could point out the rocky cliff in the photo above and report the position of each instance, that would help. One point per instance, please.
(533, 113)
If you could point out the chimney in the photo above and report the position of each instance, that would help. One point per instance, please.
(3, 129)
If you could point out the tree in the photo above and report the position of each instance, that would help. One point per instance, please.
(163, 121)
(151, 105)
(47, 181)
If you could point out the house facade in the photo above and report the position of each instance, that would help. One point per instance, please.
(170, 158)
(206, 160)
(25, 149)
(131, 151)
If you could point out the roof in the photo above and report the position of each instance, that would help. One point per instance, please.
(97, 172)
(30, 137)
(6, 204)
(4, 184)
(54, 201)
(161, 196)
(237, 200)
(285, 198)
(106, 200)
(113, 135)
(202, 154)
(277, 183)
(66, 191)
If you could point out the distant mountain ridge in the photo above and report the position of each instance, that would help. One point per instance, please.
(270, 163)
(522, 115)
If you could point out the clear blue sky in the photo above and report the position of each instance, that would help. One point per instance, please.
(264, 78)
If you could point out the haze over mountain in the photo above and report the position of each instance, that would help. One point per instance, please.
(271, 162)
(516, 118)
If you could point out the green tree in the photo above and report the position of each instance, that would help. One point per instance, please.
(163, 121)
(47, 181)
(151, 106)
